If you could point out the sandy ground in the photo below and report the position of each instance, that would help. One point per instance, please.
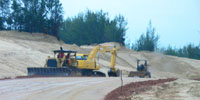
(180, 89)
(19, 50)
(75, 88)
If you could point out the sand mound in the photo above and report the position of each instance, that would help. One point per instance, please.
(18, 50)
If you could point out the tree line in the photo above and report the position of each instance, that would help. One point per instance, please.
(188, 51)
(46, 16)
(149, 42)
(93, 27)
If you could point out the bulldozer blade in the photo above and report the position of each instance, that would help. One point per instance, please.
(38, 71)
(142, 74)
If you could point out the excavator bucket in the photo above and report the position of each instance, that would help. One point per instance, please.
(51, 71)
(114, 73)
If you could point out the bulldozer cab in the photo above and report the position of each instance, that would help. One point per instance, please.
(64, 53)
(142, 65)
(142, 70)
(62, 58)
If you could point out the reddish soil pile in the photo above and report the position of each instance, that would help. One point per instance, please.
(42, 76)
(24, 77)
(198, 79)
(128, 90)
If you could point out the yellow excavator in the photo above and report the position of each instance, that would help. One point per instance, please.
(87, 63)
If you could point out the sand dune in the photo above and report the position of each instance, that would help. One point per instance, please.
(18, 50)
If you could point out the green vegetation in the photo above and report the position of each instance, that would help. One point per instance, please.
(44, 16)
(4, 12)
(147, 41)
(188, 51)
(93, 27)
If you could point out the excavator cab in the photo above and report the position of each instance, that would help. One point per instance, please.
(83, 64)
(81, 56)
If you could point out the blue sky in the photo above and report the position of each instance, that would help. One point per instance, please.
(177, 22)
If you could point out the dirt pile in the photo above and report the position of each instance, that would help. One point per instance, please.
(18, 50)
(181, 89)
(125, 92)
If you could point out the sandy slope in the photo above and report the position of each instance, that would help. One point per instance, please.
(181, 89)
(19, 50)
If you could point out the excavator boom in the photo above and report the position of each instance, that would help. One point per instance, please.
(90, 63)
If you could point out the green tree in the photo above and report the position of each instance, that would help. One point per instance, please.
(54, 16)
(42, 17)
(93, 27)
(15, 15)
(171, 51)
(34, 15)
(188, 51)
(121, 29)
(4, 13)
(148, 41)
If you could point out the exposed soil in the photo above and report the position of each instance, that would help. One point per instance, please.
(43, 76)
(19, 50)
(198, 79)
(60, 88)
(125, 92)
(181, 89)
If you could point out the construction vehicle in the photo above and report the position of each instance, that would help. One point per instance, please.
(69, 63)
(87, 63)
(142, 70)
(63, 63)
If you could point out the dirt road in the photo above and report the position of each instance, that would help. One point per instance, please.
(75, 88)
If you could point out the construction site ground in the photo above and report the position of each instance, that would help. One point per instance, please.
(70, 88)
(19, 50)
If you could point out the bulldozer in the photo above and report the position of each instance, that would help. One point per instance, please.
(87, 63)
(63, 63)
(142, 70)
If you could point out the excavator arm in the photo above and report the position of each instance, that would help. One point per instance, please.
(102, 49)
(90, 62)
(113, 58)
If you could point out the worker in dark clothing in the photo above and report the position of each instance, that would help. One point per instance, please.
(141, 67)
(61, 53)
